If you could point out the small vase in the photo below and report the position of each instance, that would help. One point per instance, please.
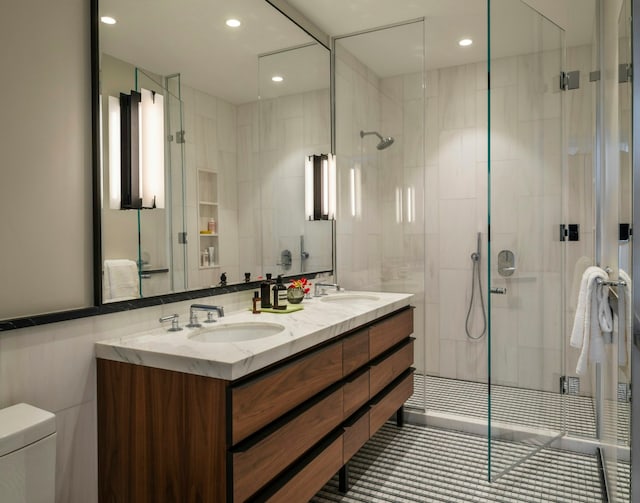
(295, 295)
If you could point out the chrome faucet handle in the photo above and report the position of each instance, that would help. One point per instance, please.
(175, 322)
(210, 318)
(193, 319)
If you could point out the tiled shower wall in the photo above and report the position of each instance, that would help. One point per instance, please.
(380, 246)
(274, 136)
(210, 125)
(431, 257)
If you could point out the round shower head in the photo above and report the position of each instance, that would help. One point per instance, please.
(384, 141)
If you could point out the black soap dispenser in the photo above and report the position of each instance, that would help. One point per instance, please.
(281, 292)
(265, 293)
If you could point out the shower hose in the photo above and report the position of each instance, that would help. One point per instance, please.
(475, 273)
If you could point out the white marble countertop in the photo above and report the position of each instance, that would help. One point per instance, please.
(319, 321)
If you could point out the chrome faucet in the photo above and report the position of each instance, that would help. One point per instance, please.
(193, 317)
(320, 288)
(175, 325)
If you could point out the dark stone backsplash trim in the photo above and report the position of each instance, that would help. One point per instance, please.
(128, 305)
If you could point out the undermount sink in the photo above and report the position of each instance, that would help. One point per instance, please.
(350, 297)
(236, 332)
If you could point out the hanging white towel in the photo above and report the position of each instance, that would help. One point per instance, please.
(121, 277)
(587, 333)
(581, 265)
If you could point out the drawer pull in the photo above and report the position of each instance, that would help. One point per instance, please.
(356, 375)
(356, 417)
(251, 441)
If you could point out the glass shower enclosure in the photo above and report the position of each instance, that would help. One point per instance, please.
(526, 236)
(503, 144)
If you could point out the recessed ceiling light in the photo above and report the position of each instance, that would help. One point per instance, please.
(232, 23)
(277, 78)
(465, 42)
(108, 20)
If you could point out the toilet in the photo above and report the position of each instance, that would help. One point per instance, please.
(27, 455)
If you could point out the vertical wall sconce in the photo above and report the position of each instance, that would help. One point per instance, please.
(114, 153)
(399, 206)
(320, 187)
(130, 150)
(355, 190)
(152, 149)
(411, 204)
(137, 144)
(408, 213)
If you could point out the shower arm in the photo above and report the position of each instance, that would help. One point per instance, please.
(365, 133)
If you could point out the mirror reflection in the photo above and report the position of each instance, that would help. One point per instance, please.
(203, 150)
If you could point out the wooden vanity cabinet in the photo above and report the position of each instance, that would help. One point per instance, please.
(276, 435)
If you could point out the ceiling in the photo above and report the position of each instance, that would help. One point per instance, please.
(189, 37)
(513, 27)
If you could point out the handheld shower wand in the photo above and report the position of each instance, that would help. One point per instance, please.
(475, 272)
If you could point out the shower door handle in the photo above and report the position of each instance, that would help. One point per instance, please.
(498, 291)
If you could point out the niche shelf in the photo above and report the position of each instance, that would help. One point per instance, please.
(207, 210)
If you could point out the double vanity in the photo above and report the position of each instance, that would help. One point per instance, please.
(261, 407)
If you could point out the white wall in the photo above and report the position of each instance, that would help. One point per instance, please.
(45, 140)
(210, 124)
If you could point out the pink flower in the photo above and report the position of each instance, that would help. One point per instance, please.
(301, 283)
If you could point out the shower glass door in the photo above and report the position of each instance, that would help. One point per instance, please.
(162, 258)
(525, 210)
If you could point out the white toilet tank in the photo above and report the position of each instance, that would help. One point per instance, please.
(27, 455)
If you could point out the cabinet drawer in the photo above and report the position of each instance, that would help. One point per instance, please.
(308, 481)
(263, 461)
(389, 332)
(356, 434)
(258, 402)
(356, 392)
(385, 371)
(390, 401)
(355, 351)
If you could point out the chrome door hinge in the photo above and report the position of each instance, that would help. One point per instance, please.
(570, 80)
(569, 232)
(624, 392)
(625, 72)
(569, 385)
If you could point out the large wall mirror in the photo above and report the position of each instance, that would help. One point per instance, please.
(203, 138)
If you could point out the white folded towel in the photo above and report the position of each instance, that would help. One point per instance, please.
(121, 280)
(591, 318)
